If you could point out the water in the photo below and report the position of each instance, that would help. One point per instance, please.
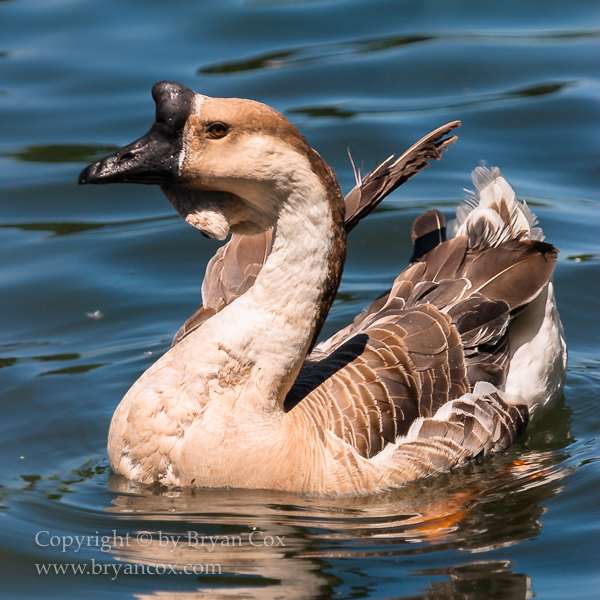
(95, 281)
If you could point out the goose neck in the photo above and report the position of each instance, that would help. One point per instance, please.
(271, 328)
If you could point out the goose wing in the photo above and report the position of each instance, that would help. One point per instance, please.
(229, 274)
(235, 266)
(423, 365)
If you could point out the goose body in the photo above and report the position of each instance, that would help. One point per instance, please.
(451, 363)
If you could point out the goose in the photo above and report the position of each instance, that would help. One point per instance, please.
(450, 364)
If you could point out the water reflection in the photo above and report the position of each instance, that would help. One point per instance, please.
(457, 511)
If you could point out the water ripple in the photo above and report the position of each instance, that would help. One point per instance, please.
(449, 103)
(68, 228)
(327, 52)
(63, 153)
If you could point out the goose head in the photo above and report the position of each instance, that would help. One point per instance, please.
(225, 164)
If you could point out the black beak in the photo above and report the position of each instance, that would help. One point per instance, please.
(154, 158)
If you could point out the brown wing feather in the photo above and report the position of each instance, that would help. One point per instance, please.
(391, 174)
(393, 367)
(515, 271)
(202, 314)
(229, 274)
(477, 425)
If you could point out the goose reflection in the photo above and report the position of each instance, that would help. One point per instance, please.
(471, 581)
(483, 507)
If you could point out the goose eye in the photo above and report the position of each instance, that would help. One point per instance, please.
(216, 131)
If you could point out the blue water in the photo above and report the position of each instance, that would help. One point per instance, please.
(94, 282)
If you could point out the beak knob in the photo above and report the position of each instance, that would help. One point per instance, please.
(153, 158)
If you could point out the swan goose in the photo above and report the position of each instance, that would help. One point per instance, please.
(450, 364)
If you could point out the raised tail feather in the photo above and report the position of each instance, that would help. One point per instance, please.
(492, 214)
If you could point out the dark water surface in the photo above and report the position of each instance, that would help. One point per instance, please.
(95, 282)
